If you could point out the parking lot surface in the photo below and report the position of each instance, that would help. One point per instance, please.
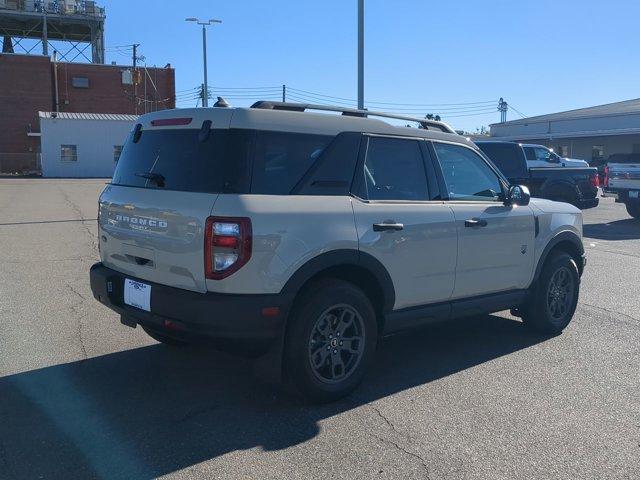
(82, 396)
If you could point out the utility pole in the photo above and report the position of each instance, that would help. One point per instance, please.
(361, 54)
(284, 93)
(134, 75)
(205, 99)
(502, 108)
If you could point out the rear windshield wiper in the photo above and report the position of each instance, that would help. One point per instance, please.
(157, 178)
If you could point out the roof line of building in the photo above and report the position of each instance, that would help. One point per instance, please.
(120, 117)
(551, 136)
(584, 112)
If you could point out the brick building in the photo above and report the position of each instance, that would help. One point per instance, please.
(28, 85)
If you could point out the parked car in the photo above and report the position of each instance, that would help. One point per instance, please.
(622, 179)
(575, 185)
(312, 235)
(542, 157)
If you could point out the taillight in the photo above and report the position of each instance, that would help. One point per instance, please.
(595, 180)
(227, 246)
(606, 176)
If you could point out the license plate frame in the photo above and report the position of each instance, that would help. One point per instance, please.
(137, 294)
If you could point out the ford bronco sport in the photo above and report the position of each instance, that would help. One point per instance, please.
(311, 234)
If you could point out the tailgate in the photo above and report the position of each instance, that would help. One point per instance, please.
(155, 235)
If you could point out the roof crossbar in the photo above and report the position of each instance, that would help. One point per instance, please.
(351, 112)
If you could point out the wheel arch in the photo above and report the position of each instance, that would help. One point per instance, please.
(568, 242)
(359, 268)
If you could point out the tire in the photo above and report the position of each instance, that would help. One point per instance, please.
(555, 296)
(173, 342)
(633, 209)
(320, 366)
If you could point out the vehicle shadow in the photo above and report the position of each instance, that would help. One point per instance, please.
(150, 411)
(626, 229)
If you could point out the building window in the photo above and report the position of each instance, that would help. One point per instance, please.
(117, 150)
(69, 153)
(597, 152)
(80, 82)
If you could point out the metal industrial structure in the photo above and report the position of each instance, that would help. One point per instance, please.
(28, 26)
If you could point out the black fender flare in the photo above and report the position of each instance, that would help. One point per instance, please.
(344, 257)
(564, 236)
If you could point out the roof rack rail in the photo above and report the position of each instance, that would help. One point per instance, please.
(351, 112)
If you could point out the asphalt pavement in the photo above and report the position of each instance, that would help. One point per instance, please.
(82, 396)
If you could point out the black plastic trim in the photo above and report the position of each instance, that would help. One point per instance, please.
(215, 315)
(561, 237)
(344, 258)
(412, 317)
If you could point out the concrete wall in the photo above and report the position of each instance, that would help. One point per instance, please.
(95, 140)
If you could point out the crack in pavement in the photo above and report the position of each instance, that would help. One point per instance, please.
(400, 448)
(388, 422)
(613, 312)
(79, 317)
(76, 209)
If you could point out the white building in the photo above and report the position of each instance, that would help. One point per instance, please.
(591, 134)
(82, 144)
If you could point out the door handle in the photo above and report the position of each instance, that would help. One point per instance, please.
(475, 222)
(382, 227)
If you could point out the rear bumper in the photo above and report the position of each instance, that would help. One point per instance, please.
(185, 314)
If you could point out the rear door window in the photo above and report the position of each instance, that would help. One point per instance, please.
(394, 170)
(185, 160)
(280, 160)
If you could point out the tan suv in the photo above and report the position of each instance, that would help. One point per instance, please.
(309, 235)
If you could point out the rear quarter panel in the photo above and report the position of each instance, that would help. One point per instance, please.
(287, 232)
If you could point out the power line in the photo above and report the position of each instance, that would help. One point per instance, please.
(519, 113)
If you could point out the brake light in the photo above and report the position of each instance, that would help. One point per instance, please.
(164, 122)
(606, 176)
(595, 180)
(227, 246)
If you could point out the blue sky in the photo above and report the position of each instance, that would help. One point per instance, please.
(541, 56)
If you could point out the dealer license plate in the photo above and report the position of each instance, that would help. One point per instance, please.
(137, 294)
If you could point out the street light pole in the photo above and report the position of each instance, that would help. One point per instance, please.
(205, 96)
(205, 93)
(361, 54)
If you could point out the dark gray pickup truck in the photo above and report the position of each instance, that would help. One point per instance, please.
(575, 185)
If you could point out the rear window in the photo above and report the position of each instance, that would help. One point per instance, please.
(281, 159)
(507, 157)
(186, 160)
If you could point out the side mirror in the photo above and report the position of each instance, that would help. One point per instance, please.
(553, 159)
(518, 195)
